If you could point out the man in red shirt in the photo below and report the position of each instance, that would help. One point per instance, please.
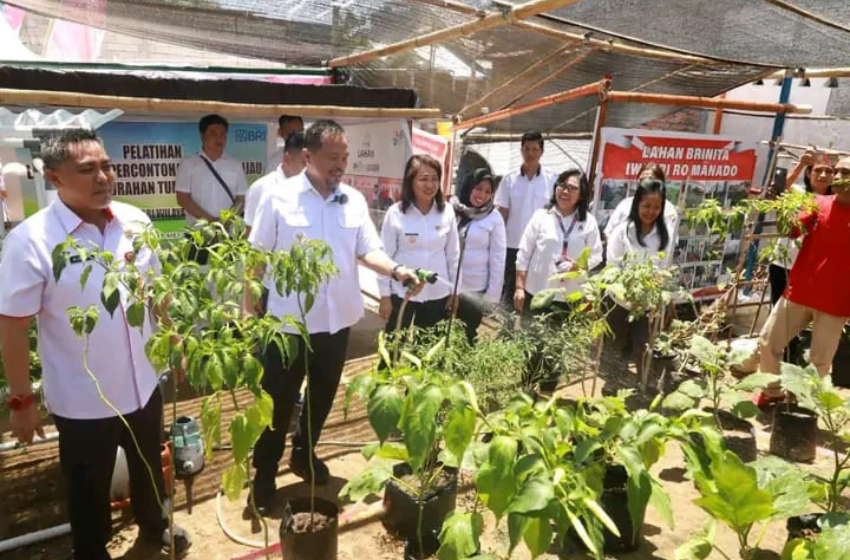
(818, 289)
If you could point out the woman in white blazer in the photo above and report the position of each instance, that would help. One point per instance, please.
(484, 246)
(419, 231)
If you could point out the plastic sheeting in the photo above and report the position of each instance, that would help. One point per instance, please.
(13, 124)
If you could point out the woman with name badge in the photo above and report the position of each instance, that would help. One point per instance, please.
(419, 232)
(644, 235)
(482, 237)
(554, 238)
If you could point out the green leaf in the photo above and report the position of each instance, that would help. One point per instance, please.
(537, 536)
(678, 401)
(211, 423)
(697, 548)
(419, 422)
(384, 410)
(136, 314)
(533, 496)
(240, 437)
(737, 501)
(502, 455)
(264, 404)
(660, 501)
(517, 524)
(544, 298)
(745, 408)
(459, 536)
(84, 277)
(830, 400)
(494, 490)
(233, 480)
(110, 296)
(367, 482)
(695, 388)
(393, 451)
(756, 381)
(458, 429)
(60, 258)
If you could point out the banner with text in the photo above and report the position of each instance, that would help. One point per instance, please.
(696, 167)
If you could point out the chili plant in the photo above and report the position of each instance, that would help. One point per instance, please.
(199, 324)
(435, 412)
(718, 387)
(817, 394)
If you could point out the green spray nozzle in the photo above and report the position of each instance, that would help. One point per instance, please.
(424, 276)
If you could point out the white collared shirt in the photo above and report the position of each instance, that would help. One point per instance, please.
(522, 197)
(483, 266)
(622, 211)
(296, 208)
(195, 178)
(541, 245)
(623, 240)
(428, 241)
(116, 355)
(259, 188)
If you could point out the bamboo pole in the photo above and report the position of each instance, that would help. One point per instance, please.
(801, 147)
(601, 117)
(549, 78)
(481, 138)
(72, 99)
(711, 102)
(516, 79)
(490, 21)
(808, 15)
(718, 117)
(461, 8)
(563, 97)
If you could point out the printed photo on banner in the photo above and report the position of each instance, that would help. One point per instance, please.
(697, 168)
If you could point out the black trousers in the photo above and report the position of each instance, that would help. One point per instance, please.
(628, 338)
(778, 278)
(470, 310)
(428, 313)
(87, 450)
(283, 383)
(510, 278)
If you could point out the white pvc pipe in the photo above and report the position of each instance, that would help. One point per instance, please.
(33, 538)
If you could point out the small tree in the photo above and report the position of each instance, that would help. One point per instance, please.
(199, 325)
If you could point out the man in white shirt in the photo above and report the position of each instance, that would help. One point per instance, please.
(209, 182)
(520, 194)
(291, 164)
(315, 205)
(286, 125)
(90, 431)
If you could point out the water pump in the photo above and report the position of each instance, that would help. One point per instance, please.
(188, 448)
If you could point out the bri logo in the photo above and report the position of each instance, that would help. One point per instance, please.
(247, 135)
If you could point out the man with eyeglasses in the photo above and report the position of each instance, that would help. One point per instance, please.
(818, 291)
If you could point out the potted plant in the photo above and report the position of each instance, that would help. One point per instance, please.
(436, 414)
(728, 398)
(745, 498)
(816, 393)
(200, 327)
(527, 473)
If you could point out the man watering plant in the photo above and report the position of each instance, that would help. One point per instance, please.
(85, 388)
(818, 291)
(314, 205)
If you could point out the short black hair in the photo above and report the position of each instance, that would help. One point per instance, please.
(55, 148)
(314, 136)
(294, 143)
(411, 169)
(210, 120)
(284, 120)
(583, 192)
(532, 136)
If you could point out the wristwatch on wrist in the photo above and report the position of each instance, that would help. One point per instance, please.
(20, 402)
(394, 273)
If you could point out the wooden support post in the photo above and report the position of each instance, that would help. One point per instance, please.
(718, 116)
(490, 21)
(576, 93)
(516, 79)
(710, 102)
(71, 99)
(601, 117)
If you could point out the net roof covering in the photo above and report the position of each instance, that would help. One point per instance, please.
(708, 46)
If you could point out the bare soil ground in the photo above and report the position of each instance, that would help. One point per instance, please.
(32, 499)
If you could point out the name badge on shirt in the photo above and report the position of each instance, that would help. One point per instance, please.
(411, 237)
